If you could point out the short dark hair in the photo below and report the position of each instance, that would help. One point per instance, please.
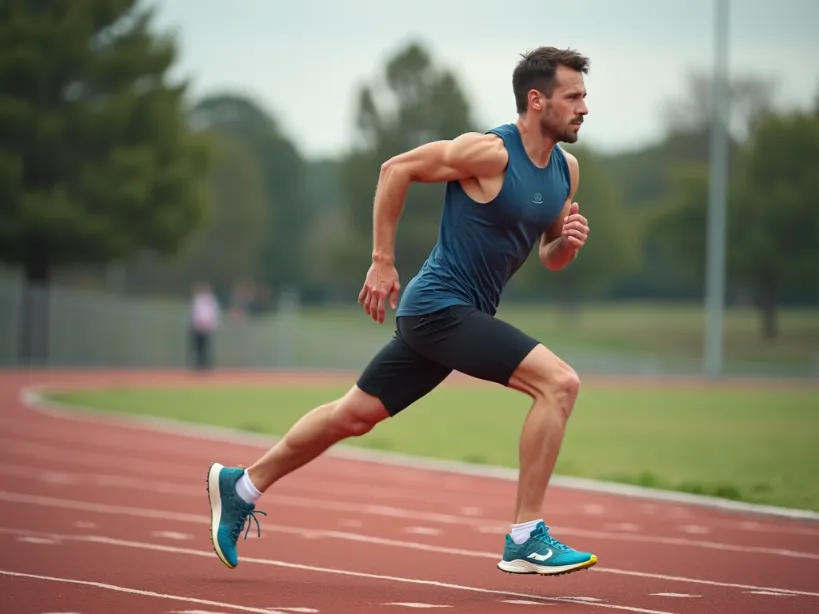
(537, 70)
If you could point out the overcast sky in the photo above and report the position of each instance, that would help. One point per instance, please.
(302, 60)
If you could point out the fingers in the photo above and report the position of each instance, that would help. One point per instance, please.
(576, 224)
(576, 218)
(573, 209)
(575, 228)
(577, 234)
(396, 288)
(375, 305)
(575, 231)
(375, 302)
(380, 310)
(378, 293)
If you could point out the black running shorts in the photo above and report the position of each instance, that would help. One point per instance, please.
(427, 348)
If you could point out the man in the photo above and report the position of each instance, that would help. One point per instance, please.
(507, 190)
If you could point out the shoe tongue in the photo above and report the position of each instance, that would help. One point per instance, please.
(540, 529)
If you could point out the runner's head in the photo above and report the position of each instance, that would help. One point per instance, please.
(548, 82)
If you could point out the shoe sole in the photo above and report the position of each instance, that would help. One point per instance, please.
(215, 498)
(525, 567)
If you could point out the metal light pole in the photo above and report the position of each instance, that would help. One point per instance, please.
(717, 196)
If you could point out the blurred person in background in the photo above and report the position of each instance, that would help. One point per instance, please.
(204, 318)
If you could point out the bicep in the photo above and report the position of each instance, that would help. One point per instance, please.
(469, 155)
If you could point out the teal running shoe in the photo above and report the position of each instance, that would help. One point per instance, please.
(228, 512)
(543, 554)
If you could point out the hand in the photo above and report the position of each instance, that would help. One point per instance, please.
(381, 284)
(575, 228)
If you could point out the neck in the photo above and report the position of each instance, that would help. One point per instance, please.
(538, 146)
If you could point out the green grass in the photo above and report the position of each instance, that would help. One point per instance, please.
(667, 330)
(752, 445)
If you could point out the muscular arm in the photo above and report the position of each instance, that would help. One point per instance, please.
(469, 155)
(555, 253)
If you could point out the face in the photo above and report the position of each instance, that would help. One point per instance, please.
(563, 113)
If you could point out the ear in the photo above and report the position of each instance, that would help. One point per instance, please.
(534, 100)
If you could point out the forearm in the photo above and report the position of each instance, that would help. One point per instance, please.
(389, 203)
(557, 254)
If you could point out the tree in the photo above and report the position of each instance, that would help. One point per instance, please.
(676, 228)
(774, 230)
(749, 97)
(282, 260)
(773, 214)
(650, 178)
(414, 102)
(96, 159)
(227, 248)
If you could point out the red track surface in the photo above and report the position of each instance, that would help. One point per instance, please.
(98, 516)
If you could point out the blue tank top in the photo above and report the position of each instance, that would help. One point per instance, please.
(481, 245)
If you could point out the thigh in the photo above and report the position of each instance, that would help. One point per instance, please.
(469, 341)
(398, 376)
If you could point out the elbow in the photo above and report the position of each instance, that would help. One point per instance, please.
(388, 166)
(397, 171)
(392, 168)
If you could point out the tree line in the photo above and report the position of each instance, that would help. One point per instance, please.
(106, 164)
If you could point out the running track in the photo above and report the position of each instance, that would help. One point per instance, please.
(99, 516)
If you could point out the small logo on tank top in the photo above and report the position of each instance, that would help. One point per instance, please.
(537, 198)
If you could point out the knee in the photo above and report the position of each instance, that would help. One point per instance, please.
(560, 381)
(568, 383)
(356, 413)
(545, 377)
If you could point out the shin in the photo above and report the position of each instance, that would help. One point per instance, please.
(553, 386)
(353, 415)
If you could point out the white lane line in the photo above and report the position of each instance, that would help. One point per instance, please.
(114, 481)
(31, 398)
(175, 535)
(313, 533)
(420, 606)
(422, 531)
(95, 539)
(45, 541)
(695, 529)
(675, 595)
(136, 591)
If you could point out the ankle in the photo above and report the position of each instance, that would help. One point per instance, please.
(520, 531)
(246, 489)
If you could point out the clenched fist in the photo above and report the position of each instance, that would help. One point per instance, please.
(575, 228)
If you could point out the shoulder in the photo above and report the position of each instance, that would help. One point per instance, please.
(571, 160)
(484, 153)
(490, 139)
(573, 167)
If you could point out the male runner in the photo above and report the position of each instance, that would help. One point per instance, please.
(507, 190)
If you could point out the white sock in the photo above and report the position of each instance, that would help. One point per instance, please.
(520, 532)
(246, 490)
